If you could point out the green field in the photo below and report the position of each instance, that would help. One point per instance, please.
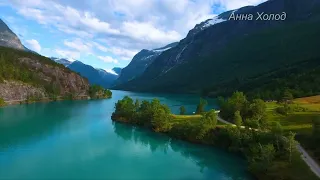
(299, 122)
(312, 103)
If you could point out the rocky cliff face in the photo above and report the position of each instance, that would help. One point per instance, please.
(25, 75)
(8, 38)
(65, 80)
(28, 75)
(14, 91)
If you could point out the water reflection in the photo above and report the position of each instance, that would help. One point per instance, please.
(23, 123)
(77, 140)
(211, 161)
(174, 101)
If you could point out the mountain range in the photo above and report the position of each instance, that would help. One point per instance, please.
(219, 55)
(94, 75)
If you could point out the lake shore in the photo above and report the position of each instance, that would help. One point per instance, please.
(270, 152)
(80, 140)
(25, 101)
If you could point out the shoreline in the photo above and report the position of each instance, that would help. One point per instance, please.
(193, 141)
(47, 100)
(298, 157)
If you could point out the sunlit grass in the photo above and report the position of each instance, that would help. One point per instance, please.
(193, 119)
(312, 103)
(299, 122)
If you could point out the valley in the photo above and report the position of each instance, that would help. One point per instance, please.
(121, 99)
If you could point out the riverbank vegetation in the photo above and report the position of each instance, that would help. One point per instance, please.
(2, 103)
(98, 92)
(301, 116)
(269, 149)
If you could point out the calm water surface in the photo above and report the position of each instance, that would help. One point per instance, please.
(78, 140)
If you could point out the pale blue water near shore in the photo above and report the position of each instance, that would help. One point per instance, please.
(78, 140)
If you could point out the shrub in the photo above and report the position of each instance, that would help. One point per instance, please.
(2, 102)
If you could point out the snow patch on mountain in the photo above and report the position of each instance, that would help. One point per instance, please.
(147, 57)
(111, 71)
(161, 50)
(213, 21)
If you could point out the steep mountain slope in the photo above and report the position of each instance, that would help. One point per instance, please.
(140, 62)
(9, 38)
(25, 75)
(235, 49)
(117, 70)
(95, 76)
(62, 61)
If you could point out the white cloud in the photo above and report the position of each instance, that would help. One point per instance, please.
(97, 25)
(101, 47)
(33, 45)
(108, 59)
(123, 54)
(65, 18)
(68, 53)
(79, 45)
(124, 27)
(235, 4)
(147, 32)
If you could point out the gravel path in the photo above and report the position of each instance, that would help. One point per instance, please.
(309, 160)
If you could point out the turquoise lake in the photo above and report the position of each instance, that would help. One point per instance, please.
(78, 140)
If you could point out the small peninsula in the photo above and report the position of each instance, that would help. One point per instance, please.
(269, 147)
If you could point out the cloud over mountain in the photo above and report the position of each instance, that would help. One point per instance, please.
(118, 28)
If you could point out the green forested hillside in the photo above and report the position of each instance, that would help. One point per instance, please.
(300, 79)
(38, 72)
(12, 69)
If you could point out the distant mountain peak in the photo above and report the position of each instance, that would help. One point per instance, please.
(9, 38)
(94, 75)
(111, 71)
(140, 62)
(169, 46)
(213, 21)
(62, 61)
(117, 70)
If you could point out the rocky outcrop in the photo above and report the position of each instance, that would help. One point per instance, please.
(13, 92)
(65, 80)
(29, 77)
(8, 38)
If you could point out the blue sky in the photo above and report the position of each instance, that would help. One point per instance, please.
(106, 33)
